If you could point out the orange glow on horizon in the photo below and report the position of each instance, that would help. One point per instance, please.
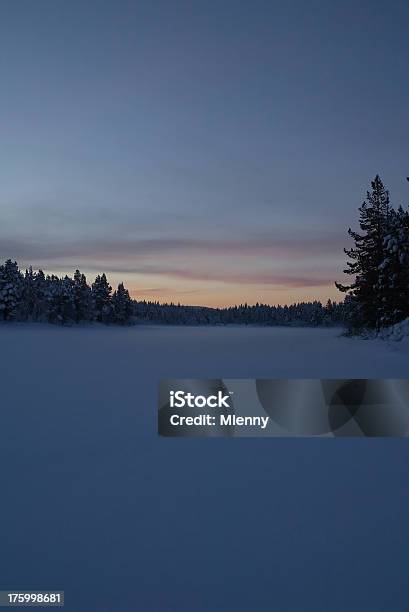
(214, 294)
(222, 297)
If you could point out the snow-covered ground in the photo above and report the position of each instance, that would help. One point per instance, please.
(95, 503)
(397, 333)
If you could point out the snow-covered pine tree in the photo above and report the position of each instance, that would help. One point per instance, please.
(327, 317)
(28, 297)
(82, 298)
(394, 270)
(101, 299)
(60, 293)
(11, 289)
(41, 302)
(367, 256)
(122, 305)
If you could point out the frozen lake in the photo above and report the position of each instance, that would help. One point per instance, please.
(93, 502)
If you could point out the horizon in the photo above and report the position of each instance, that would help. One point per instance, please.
(137, 298)
(211, 154)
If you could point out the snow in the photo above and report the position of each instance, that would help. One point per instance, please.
(397, 332)
(95, 503)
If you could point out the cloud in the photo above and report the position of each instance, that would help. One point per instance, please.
(232, 260)
(126, 248)
(235, 278)
(164, 291)
(269, 279)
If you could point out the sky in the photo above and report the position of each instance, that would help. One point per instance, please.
(202, 152)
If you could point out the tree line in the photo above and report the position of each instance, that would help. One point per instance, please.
(378, 296)
(35, 297)
(301, 314)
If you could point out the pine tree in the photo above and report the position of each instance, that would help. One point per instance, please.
(82, 298)
(40, 312)
(11, 289)
(327, 317)
(394, 270)
(101, 299)
(367, 292)
(28, 298)
(122, 305)
(61, 308)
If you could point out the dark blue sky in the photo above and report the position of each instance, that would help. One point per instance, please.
(205, 152)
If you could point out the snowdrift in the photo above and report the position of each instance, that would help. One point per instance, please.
(397, 332)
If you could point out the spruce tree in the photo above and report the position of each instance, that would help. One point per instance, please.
(28, 298)
(41, 303)
(11, 289)
(367, 292)
(82, 298)
(122, 305)
(328, 315)
(101, 299)
(61, 307)
(394, 270)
